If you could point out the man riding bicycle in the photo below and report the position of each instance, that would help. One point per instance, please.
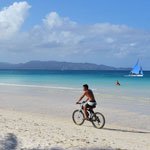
(89, 102)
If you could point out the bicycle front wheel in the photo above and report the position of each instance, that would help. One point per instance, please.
(98, 120)
(78, 117)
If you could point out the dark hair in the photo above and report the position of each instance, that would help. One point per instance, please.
(86, 86)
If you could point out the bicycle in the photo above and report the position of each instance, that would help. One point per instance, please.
(96, 118)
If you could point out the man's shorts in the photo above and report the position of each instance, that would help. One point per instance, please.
(90, 104)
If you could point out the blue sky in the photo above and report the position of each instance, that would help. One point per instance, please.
(133, 13)
(111, 32)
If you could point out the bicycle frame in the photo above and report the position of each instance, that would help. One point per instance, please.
(90, 112)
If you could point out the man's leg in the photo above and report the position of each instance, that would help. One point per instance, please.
(85, 112)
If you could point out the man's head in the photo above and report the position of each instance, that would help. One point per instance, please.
(85, 87)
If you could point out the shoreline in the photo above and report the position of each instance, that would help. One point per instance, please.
(113, 90)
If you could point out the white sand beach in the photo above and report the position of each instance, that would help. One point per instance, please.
(34, 131)
(40, 119)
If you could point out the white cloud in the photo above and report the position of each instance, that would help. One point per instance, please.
(60, 38)
(53, 20)
(109, 40)
(11, 19)
(132, 44)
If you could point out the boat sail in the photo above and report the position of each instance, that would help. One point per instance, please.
(141, 71)
(137, 70)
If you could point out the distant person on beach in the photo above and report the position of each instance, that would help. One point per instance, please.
(117, 83)
(89, 102)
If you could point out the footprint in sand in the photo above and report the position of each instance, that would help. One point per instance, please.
(83, 140)
(77, 139)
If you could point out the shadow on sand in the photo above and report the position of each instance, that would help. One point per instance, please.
(10, 142)
(129, 131)
(121, 130)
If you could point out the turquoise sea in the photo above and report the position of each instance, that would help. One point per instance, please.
(103, 81)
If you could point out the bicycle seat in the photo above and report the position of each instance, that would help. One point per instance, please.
(92, 107)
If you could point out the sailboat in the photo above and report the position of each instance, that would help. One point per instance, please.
(137, 71)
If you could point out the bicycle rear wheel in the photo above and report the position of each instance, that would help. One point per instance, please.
(78, 117)
(98, 120)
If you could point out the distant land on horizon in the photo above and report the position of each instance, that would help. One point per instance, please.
(56, 65)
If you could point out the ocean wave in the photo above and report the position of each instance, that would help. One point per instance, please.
(39, 86)
(49, 87)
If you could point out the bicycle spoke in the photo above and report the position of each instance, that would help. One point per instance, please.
(98, 120)
(78, 117)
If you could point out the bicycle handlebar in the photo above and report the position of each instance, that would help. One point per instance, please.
(80, 103)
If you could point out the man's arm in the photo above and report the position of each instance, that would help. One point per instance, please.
(81, 98)
(86, 100)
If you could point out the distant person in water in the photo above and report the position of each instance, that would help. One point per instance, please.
(117, 83)
(89, 102)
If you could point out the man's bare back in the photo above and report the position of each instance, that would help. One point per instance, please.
(90, 95)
